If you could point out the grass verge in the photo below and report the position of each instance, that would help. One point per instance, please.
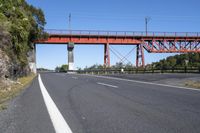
(193, 84)
(10, 92)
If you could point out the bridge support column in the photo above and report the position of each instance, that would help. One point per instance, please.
(140, 56)
(106, 55)
(32, 59)
(70, 48)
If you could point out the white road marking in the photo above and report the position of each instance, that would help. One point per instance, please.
(143, 82)
(59, 123)
(107, 85)
(74, 77)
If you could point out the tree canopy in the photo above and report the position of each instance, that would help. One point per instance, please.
(181, 60)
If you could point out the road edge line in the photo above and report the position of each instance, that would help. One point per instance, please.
(59, 123)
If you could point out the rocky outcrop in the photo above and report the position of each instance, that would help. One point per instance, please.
(32, 60)
(4, 65)
(10, 66)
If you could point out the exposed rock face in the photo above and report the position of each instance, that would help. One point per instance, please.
(4, 65)
(32, 60)
(10, 66)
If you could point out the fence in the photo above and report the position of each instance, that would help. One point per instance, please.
(141, 70)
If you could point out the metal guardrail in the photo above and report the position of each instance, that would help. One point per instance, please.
(123, 33)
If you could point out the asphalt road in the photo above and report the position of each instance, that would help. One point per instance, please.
(98, 105)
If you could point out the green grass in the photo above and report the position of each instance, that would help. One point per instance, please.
(10, 92)
(193, 84)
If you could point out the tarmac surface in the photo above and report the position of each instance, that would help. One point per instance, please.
(92, 104)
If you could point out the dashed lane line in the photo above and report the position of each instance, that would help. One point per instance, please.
(113, 86)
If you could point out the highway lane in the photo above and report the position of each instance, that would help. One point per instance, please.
(132, 107)
(95, 105)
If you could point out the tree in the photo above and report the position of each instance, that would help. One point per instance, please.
(62, 68)
(172, 61)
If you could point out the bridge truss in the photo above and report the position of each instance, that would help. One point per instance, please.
(152, 42)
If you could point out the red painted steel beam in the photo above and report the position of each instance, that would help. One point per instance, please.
(155, 43)
(106, 55)
(89, 40)
(140, 56)
(172, 45)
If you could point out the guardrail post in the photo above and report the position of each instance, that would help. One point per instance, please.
(185, 69)
(199, 69)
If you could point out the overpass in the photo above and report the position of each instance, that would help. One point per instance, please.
(152, 42)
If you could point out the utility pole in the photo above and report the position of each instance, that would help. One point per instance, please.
(147, 19)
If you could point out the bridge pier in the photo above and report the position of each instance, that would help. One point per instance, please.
(32, 59)
(106, 55)
(70, 48)
(140, 56)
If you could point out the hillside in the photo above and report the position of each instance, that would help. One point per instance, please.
(181, 60)
(20, 24)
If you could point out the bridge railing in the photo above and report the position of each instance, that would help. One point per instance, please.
(123, 33)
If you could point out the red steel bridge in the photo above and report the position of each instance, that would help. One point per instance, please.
(152, 42)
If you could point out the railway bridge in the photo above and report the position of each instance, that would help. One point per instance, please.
(152, 42)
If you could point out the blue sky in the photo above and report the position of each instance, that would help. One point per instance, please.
(114, 15)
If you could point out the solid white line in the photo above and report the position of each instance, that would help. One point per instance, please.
(143, 82)
(107, 85)
(59, 123)
(74, 77)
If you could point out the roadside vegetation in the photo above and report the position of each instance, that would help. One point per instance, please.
(177, 62)
(193, 84)
(42, 69)
(181, 60)
(62, 68)
(7, 92)
(20, 25)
